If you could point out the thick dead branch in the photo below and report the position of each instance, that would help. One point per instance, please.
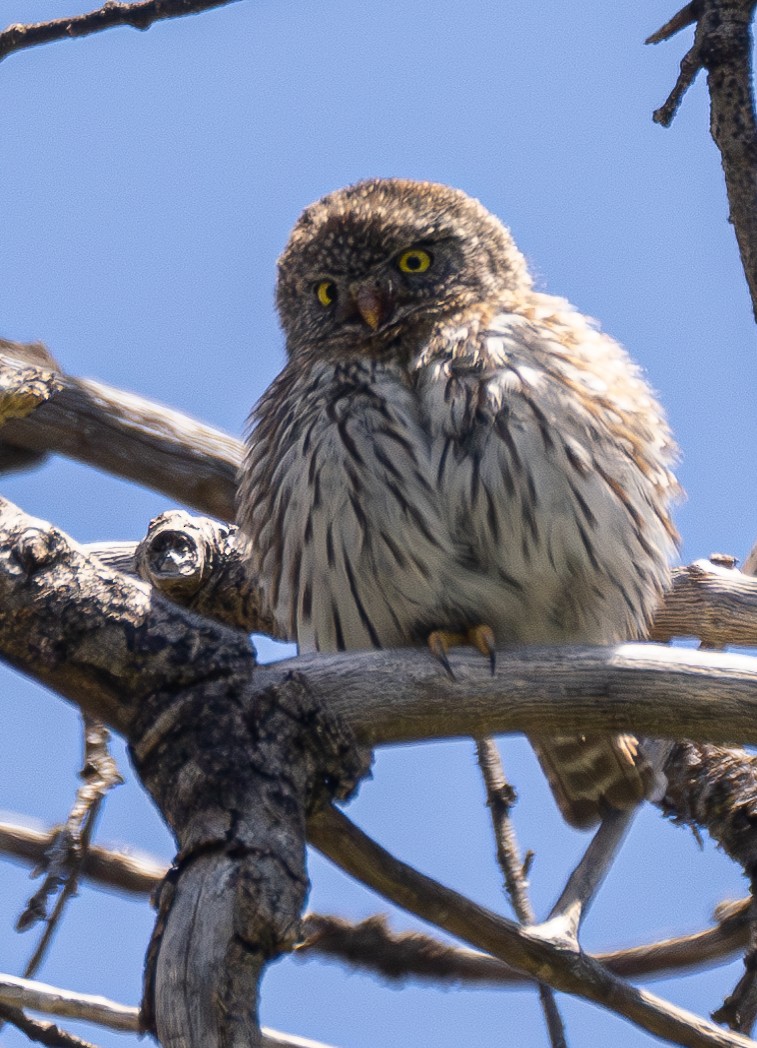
(139, 15)
(231, 771)
(99, 638)
(207, 729)
(129, 436)
(644, 689)
(723, 46)
(563, 967)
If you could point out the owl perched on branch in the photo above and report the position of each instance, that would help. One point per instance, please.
(451, 456)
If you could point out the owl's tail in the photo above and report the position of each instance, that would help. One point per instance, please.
(589, 774)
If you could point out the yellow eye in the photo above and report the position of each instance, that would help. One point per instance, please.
(414, 261)
(325, 292)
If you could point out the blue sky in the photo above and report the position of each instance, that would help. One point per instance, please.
(149, 182)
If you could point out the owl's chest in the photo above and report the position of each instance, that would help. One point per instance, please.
(392, 516)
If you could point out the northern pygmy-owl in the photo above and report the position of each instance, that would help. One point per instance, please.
(447, 449)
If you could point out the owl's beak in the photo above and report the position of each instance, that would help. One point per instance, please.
(372, 306)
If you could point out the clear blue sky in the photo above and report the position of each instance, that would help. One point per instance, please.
(149, 181)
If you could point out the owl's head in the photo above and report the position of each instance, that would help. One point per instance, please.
(388, 258)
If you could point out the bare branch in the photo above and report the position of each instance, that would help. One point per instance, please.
(587, 877)
(716, 788)
(100, 653)
(398, 956)
(103, 653)
(231, 778)
(39, 997)
(129, 436)
(139, 15)
(686, 16)
(136, 874)
(41, 1032)
(723, 46)
(500, 797)
(711, 601)
(64, 859)
(549, 961)
(409, 955)
(25, 993)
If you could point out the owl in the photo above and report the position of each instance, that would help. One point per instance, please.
(450, 455)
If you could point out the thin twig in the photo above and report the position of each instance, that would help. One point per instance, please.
(138, 15)
(691, 62)
(686, 16)
(500, 797)
(67, 852)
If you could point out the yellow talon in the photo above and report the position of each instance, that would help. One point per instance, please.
(479, 637)
(482, 639)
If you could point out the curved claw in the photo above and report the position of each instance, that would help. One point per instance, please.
(479, 637)
(439, 642)
(482, 639)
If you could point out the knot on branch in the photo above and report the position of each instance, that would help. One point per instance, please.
(36, 549)
(197, 563)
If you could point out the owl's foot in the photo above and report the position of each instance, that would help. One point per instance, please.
(479, 637)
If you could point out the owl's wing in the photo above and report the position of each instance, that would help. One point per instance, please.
(551, 456)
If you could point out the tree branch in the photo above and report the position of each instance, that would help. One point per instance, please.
(709, 600)
(118, 871)
(500, 797)
(39, 997)
(723, 46)
(93, 638)
(40, 1032)
(371, 945)
(550, 961)
(126, 435)
(232, 771)
(139, 15)
(410, 955)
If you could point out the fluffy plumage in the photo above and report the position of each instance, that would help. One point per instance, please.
(447, 447)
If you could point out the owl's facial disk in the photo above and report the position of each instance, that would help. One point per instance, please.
(383, 262)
